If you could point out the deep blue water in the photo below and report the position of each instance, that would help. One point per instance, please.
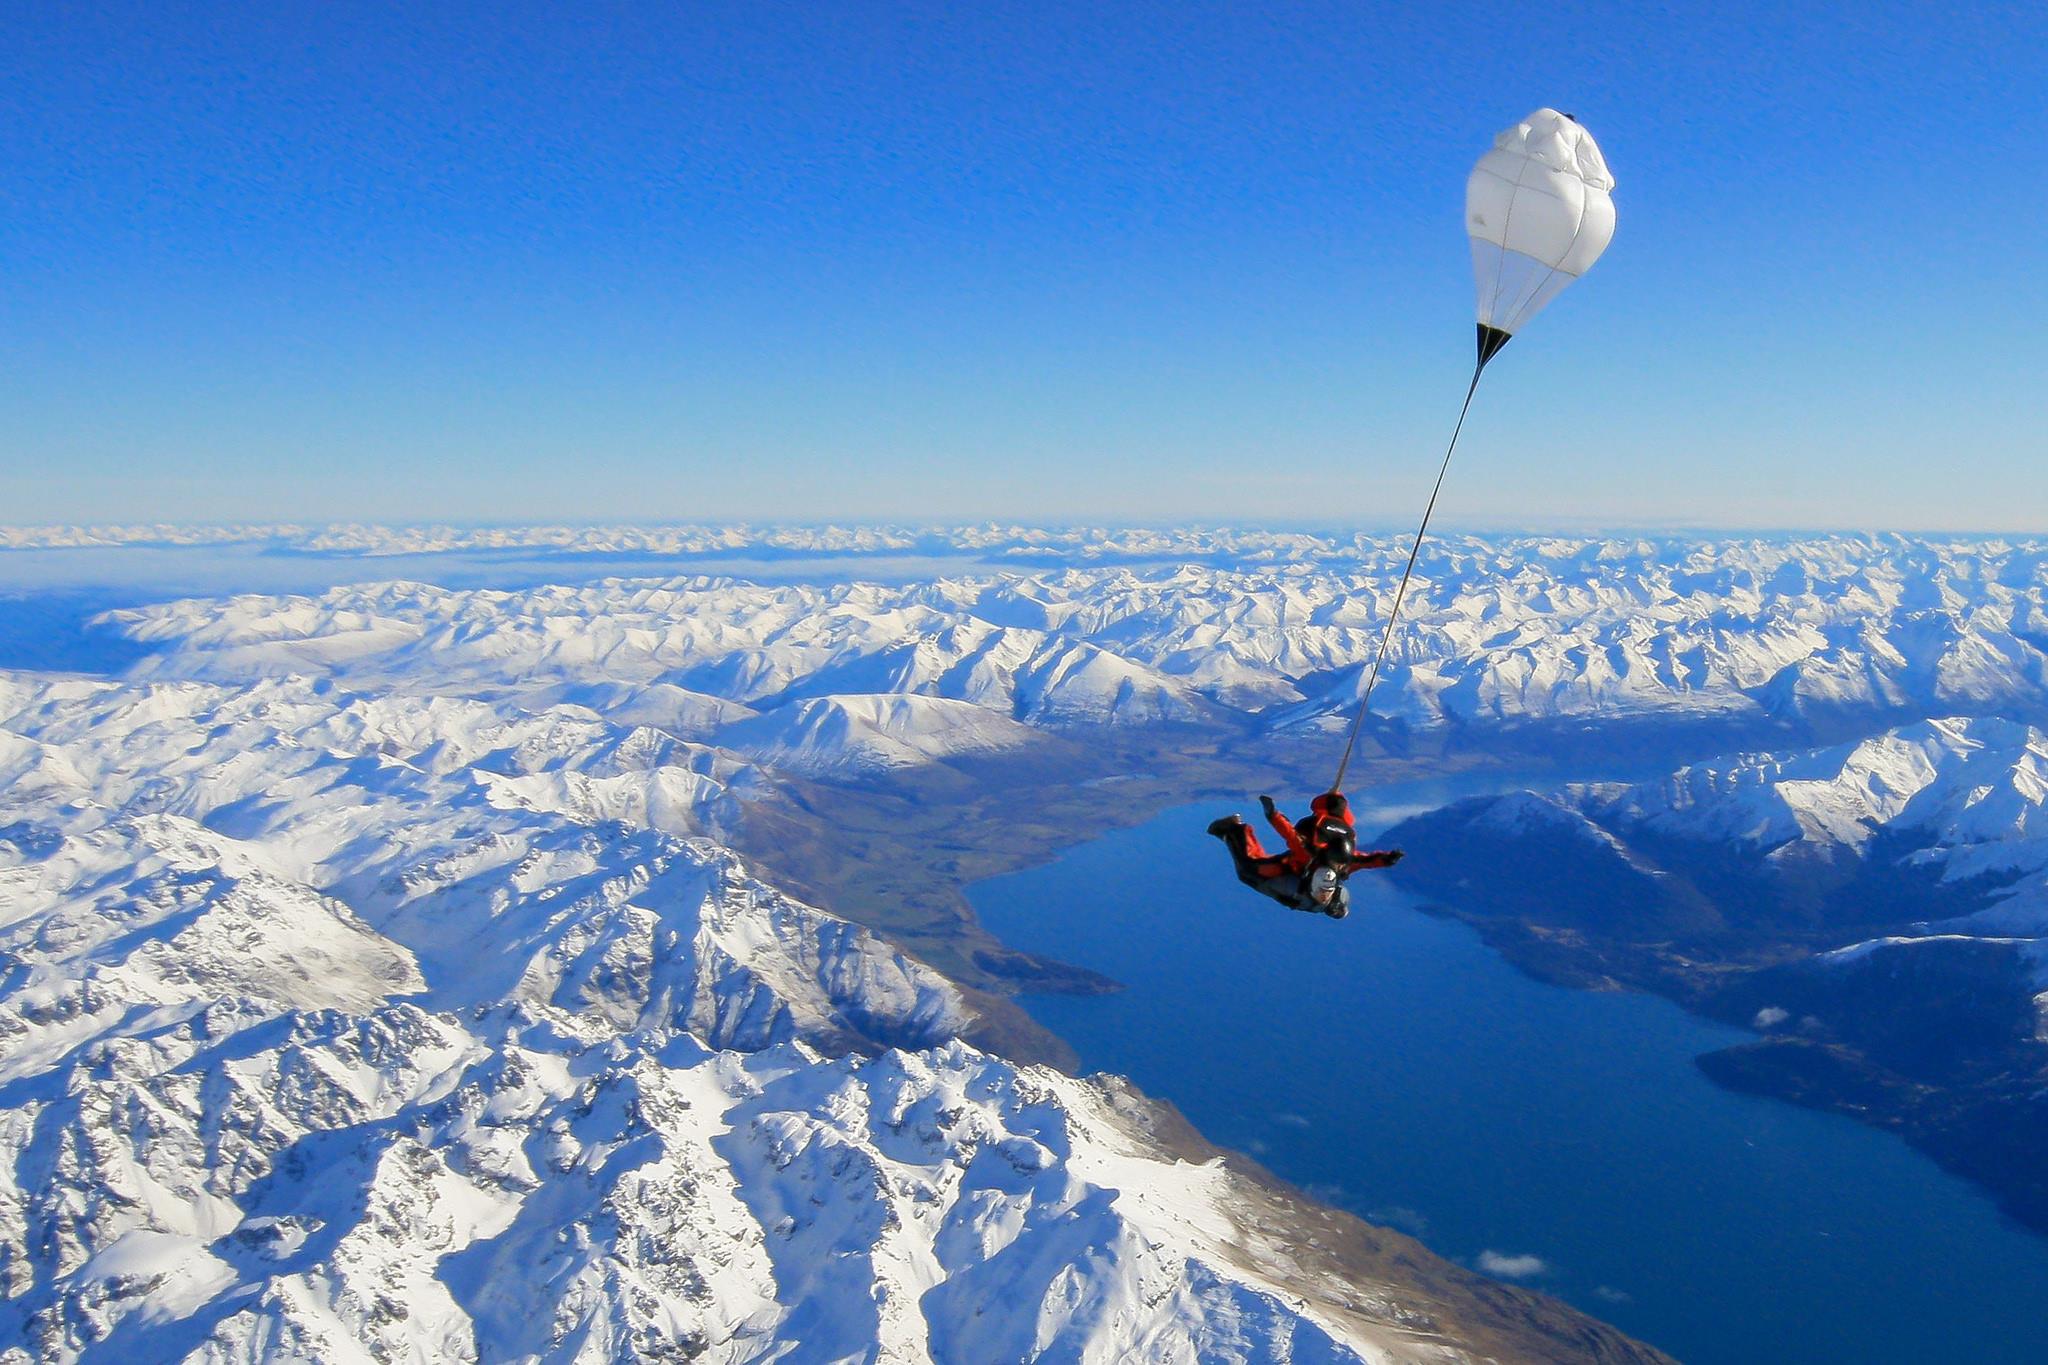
(1395, 1066)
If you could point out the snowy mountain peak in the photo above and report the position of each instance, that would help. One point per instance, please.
(362, 1027)
(1969, 785)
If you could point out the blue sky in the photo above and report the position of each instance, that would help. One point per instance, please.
(1049, 261)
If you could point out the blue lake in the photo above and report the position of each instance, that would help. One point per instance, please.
(1395, 1066)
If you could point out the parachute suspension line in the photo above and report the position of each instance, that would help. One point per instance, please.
(1401, 593)
(1549, 190)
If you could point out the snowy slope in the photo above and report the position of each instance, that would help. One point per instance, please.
(1970, 792)
(1501, 631)
(1963, 801)
(1964, 797)
(856, 735)
(344, 1027)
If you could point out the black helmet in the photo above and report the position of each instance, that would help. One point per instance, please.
(1339, 842)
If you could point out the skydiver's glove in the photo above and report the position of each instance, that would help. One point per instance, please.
(1266, 805)
(1394, 855)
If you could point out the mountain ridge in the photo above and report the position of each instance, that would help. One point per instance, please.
(1873, 911)
(358, 1027)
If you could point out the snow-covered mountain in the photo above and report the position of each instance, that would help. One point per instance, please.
(1965, 795)
(378, 978)
(1876, 911)
(158, 533)
(351, 1027)
(1953, 805)
(1499, 631)
(1956, 801)
(530, 858)
(858, 735)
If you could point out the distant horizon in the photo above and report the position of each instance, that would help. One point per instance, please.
(1439, 528)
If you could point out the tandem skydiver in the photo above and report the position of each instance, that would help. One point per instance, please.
(1322, 850)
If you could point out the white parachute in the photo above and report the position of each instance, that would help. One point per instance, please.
(1539, 209)
(1539, 212)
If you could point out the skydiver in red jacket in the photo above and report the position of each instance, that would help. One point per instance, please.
(1322, 850)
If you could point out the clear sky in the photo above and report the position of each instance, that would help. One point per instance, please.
(1139, 262)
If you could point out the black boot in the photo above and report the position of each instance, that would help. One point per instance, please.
(1221, 828)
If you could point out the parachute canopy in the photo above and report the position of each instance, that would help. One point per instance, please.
(1539, 212)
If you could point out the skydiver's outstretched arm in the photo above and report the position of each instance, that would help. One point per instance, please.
(1284, 827)
(1380, 858)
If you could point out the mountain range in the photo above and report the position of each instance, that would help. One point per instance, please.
(370, 1026)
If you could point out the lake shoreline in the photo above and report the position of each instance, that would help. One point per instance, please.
(1618, 1074)
(1960, 1134)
